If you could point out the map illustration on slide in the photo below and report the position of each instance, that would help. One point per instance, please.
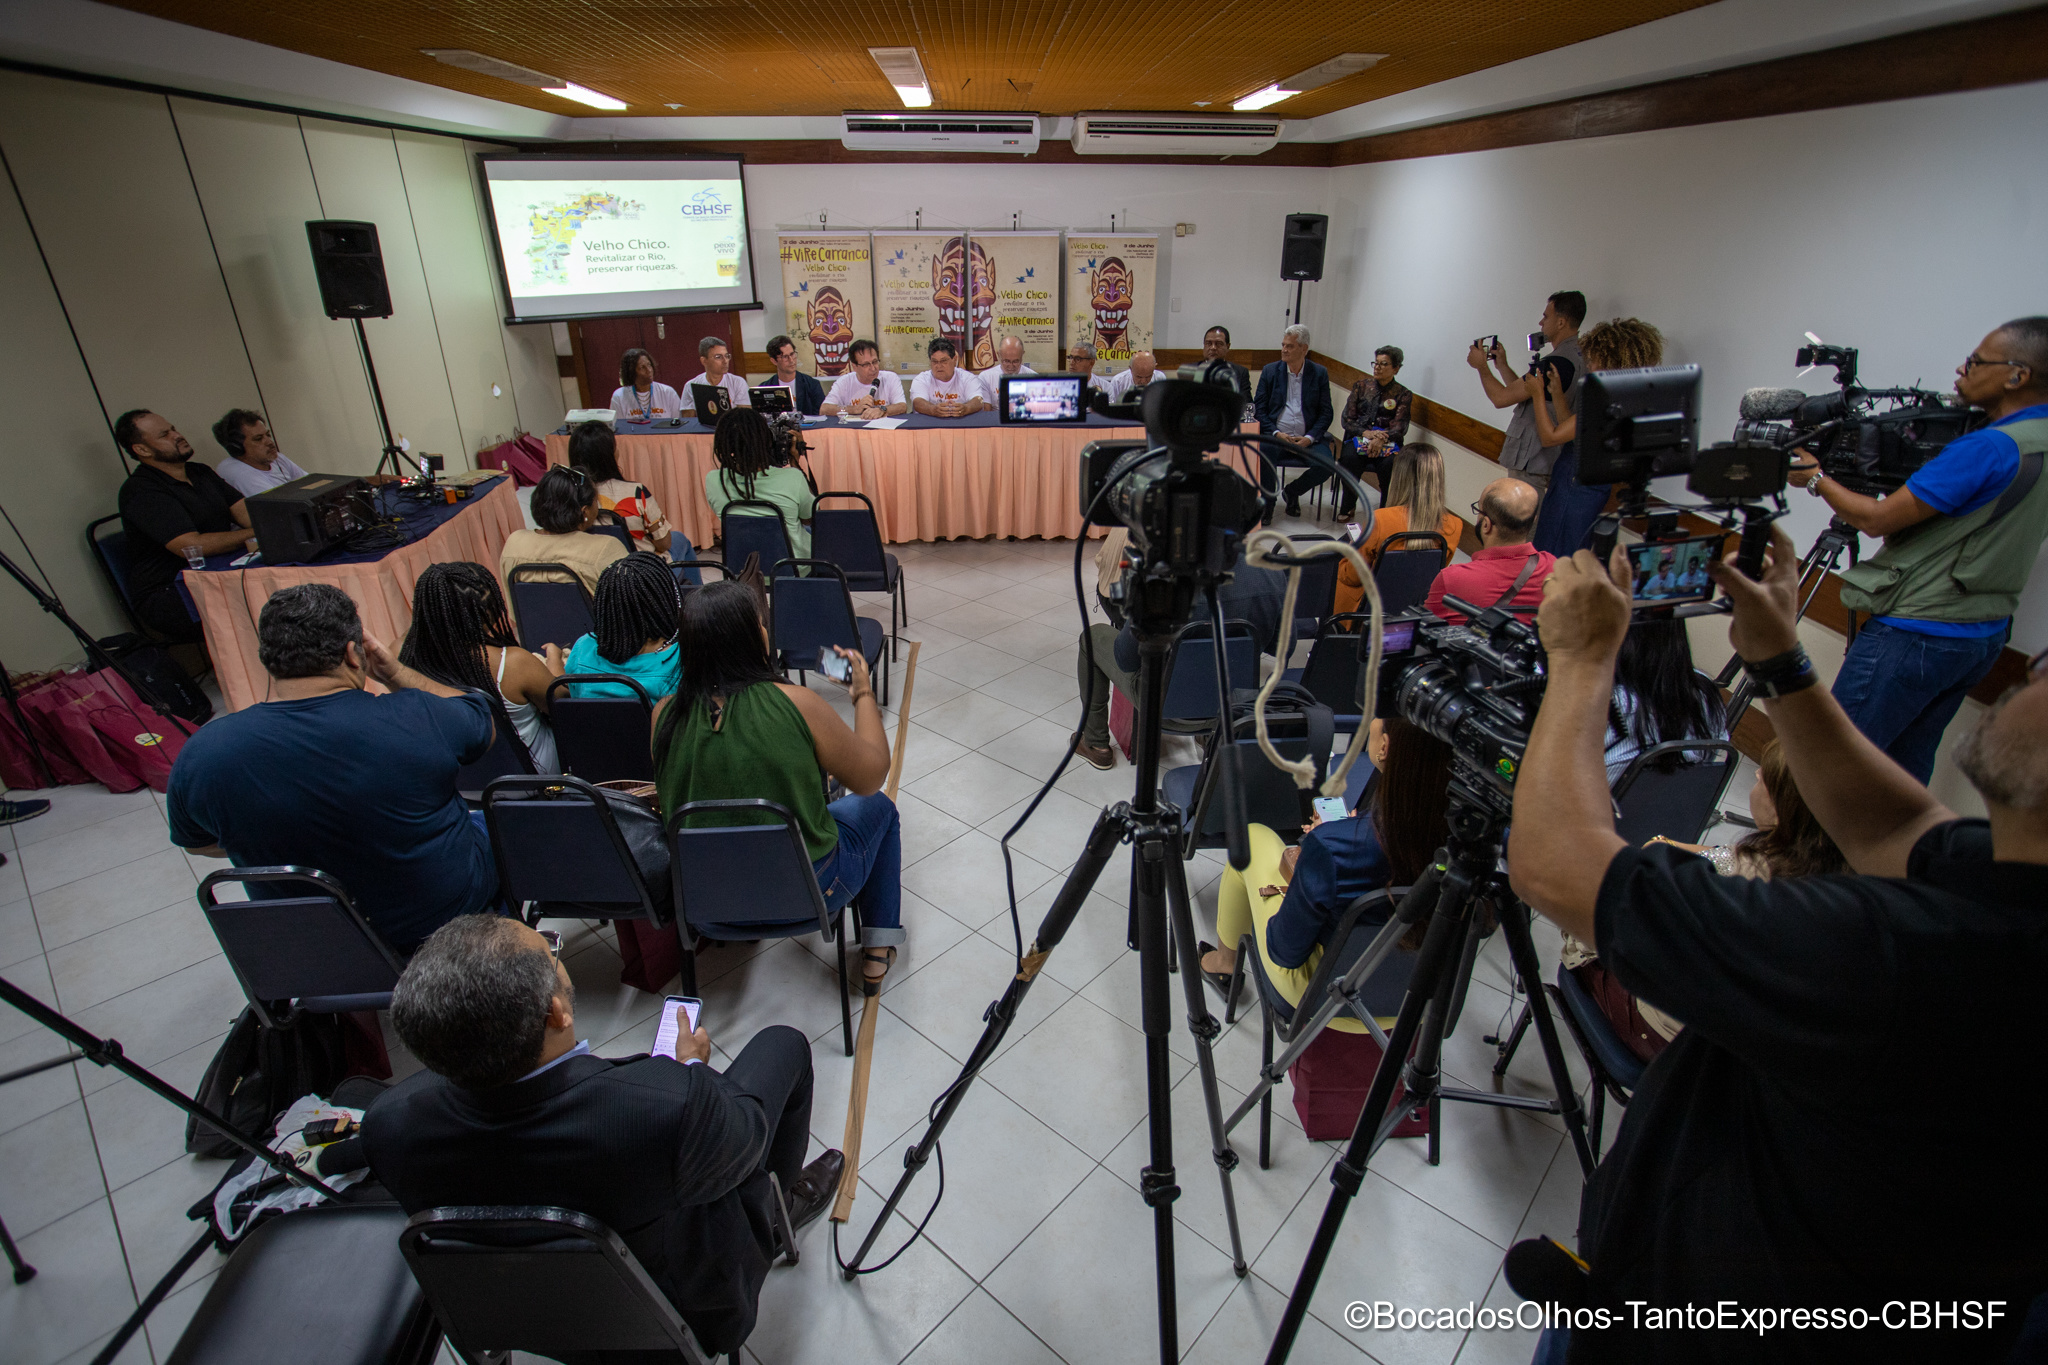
(606, 237)
(555, 227)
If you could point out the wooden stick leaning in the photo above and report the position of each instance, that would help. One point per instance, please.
(864, 1041)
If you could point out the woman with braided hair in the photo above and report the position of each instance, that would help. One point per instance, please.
(638, 613)
(461, 636)
(750, 471)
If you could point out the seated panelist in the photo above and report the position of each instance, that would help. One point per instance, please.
(254, 462)
(1144, 368)
(1009, 360)
(805, 392)
(670, 1152)
(870, 391)
(170, 503)
(945, 390)
(717, 358)
(639, 396)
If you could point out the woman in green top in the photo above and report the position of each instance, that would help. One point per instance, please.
(736, 730)
(748, 471)
(639, 611)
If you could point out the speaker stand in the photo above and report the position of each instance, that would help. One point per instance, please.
(391, 451)
(1297, 303)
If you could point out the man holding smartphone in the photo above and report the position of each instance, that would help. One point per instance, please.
(668, 1151)
(1522, 453)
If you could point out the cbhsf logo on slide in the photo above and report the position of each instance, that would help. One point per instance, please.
(706, 203)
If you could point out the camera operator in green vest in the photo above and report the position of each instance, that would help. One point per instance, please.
(1960, 539)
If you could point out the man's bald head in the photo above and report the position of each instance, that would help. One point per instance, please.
(1142, 366)
(2002, 756)
(1010, 352)
(1508, 512)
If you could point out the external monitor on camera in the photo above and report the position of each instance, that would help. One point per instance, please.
(1042, 399)
(771, 400)
(1638, 423)
(1673, 573)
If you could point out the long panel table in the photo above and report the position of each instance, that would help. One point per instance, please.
(930, 479)
(228, 600)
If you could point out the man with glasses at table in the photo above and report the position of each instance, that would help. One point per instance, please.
(1960, 540)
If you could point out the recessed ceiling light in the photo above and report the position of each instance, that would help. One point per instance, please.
(569, 90)
(490, 66)
(1336, 69)
(1259, 99)
(904, 71)
(1201, 104)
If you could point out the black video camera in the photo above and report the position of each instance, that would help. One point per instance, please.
(1868, 440)
(1476, 687)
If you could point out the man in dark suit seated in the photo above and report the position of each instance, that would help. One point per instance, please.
(665, 1151)
(1293, 401)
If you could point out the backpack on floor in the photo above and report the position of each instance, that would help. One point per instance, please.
(260, 1072)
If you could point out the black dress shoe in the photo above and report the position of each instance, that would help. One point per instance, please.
(1293, 505)
(816, 1188)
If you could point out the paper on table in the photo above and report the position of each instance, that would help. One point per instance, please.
(885, 424)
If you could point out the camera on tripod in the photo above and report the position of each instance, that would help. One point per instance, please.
(1187, 515)
(1868, 440)
(1476, 687)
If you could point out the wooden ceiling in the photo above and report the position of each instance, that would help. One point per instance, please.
(733, 57)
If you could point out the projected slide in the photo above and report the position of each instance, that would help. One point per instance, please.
(588, 236)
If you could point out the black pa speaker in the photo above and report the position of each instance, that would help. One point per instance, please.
(1301, 248)
(350, 265)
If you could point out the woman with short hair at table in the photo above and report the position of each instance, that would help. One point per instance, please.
(638, 615)
(564, 508)
(750, 471)
(736, 730)
(462, 636)
(639, 398)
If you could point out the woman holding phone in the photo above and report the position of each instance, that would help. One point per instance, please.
(736, 729)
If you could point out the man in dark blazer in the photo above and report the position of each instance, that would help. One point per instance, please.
(805, 391)
(1215, 347)
(665, 1151)
(1293, 401)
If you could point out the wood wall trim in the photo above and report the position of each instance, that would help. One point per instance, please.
(1978, 54)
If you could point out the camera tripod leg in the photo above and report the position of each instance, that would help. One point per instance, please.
(1514, 923)
(1111, 828)
(1152, 848)
(1427, 992)
(1202, 1023)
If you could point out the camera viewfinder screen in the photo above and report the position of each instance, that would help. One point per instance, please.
(1674, 572)
(1041, 398)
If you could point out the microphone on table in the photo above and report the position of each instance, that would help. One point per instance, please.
(1543, 1270)
(1770, 405)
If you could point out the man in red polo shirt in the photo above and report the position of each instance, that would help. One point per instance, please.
(1509, 569)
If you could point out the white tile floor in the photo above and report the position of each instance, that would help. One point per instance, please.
(1041, 1250)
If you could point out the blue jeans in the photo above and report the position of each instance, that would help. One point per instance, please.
(680, 549)
(1902, 688)
(866, 868)
(1569, 508)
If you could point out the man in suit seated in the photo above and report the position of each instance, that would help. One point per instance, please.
(1215, 347)
(669, 1153)
(1293, 401)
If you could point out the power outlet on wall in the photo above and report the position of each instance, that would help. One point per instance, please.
(1183, 229)
(1174, 307)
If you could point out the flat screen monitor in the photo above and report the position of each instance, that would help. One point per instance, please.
(774, 398)
(1042, 398)
(589, 235)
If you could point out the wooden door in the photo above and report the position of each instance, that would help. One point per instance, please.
(671, 338)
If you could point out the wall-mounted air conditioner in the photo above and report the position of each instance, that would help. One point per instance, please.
(1173, 135)
(946, 132)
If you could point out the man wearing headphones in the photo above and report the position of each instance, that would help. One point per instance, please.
(1960, 540)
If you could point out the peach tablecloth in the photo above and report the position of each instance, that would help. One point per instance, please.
(926, 484)
(229, 599)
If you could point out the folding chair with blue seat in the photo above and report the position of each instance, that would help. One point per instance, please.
(1192, 704)
(507, 757)
(562, 854)
(1356, 988)
(748, 881)
(1408, 563)
(1316, 595)
(1270, 796)
(310, 953)
(326, 1285)
(750, 527)
(1334, 663)
(547, 1281)
(601, 738)
(608, 524)
(1673, 789)
(810, 614)
(110, 549)
(550, 605)
(851, 537)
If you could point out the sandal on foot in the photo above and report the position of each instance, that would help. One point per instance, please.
(872, 984)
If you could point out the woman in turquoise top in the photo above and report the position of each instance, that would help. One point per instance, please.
(748, 471)
(736, 730)
(639, 613)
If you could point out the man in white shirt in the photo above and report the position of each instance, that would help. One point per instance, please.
(717, 358)
(254, 462)
(870, 391)
(945, 390)
(1081, 361)
(1143, 367)
(1009, 360)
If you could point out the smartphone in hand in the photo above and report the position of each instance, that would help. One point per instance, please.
(1330, 808)
(834, 665)
(678, 1015)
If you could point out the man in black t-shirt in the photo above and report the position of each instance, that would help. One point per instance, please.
(168, 503)
(1851, 1120)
